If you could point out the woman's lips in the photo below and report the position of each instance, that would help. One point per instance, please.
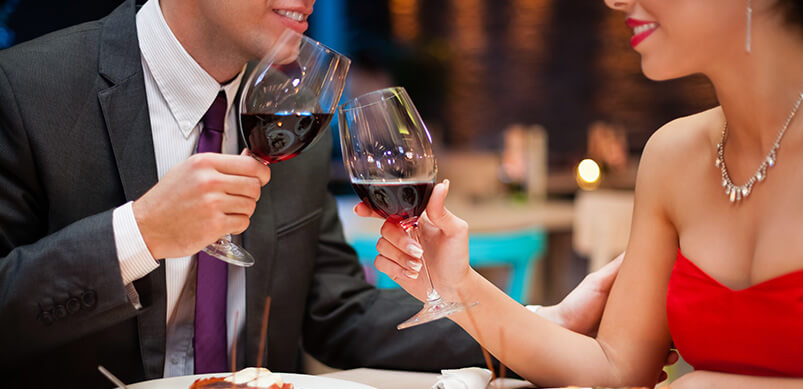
(641, 30)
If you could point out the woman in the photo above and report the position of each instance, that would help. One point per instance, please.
(713, 261)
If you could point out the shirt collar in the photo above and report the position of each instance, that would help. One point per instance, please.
(188, 89)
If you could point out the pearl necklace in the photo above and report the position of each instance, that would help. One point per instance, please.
(739, 192)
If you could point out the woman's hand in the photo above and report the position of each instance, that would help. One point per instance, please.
(444, 245)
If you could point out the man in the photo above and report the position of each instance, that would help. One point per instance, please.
(104, 204)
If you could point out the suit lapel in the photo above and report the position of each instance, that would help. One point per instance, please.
(125, 110)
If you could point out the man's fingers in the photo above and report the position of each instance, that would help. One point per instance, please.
(439, 215)
(239, 205)
(605, 276)
(249, 187)
(671, 358)
(238, 165)
(236, 224)
(611, 268)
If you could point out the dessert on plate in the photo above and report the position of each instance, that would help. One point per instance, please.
(250, 377)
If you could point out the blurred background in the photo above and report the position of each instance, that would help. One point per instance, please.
(538, 110)
(516, 93)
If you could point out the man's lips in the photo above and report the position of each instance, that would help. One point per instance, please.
(295, 19)
(297, 16)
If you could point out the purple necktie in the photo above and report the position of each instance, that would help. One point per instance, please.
(211, 287)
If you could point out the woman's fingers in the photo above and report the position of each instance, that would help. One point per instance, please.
(392, 269)
(389, 251)
(364, 210)
(395, 235)
(439, 215)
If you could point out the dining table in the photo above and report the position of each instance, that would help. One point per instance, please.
(362, 378)
(395, 379)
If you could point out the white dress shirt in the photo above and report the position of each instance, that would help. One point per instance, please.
(179, 92)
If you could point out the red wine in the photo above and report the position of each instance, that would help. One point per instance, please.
(277, 137)
(397, 200)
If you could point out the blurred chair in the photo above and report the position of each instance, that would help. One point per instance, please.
(602, 225)
(516, 250)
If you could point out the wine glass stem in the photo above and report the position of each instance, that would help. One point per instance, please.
(413, 231)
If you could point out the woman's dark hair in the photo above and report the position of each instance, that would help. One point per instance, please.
(792, 11)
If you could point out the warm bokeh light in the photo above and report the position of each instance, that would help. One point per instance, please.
(404, 19)
(588, 174)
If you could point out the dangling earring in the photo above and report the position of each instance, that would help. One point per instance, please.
(749, 25)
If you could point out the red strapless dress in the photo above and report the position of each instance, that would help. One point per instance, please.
(752, 331)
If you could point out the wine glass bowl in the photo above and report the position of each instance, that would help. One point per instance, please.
(387, 151)
(290, 97)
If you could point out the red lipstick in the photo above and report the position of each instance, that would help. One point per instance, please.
(641, 28)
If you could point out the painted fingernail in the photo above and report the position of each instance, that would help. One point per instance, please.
(415, 250)
(411, 274)
(415, 265)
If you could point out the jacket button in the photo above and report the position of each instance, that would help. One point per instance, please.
(73, 304)
(60, 311)
(89, 299)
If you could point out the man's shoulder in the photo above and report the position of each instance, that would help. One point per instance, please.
(73, 49)
(76, 43)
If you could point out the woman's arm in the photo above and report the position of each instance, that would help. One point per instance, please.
(703, 379)
(633, 336)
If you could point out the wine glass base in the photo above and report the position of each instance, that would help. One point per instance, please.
(433, 310)
(229, 252)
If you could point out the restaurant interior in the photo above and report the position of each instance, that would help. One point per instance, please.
(538, 110)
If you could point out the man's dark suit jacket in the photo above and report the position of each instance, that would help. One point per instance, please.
(75, 143)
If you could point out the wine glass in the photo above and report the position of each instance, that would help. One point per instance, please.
(286, 106)
(290, 97)
(387, 151)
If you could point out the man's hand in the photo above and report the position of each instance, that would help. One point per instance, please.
(198, 201)
(581, 310)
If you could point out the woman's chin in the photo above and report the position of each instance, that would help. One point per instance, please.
(660, 72)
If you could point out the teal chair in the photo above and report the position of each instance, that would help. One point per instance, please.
(518, 250)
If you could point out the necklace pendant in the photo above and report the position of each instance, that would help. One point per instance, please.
(738, 193)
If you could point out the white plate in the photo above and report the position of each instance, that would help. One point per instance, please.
(299, 381)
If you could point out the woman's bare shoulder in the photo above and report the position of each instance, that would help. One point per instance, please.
(684, 140)
(677, 147)
(685, 135)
